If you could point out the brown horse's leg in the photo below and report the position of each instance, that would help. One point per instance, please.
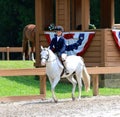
(27, 52)
(25, 45)
(32, 50)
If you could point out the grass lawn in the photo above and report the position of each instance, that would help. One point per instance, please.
(28, 85)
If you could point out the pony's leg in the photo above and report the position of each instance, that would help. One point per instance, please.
(23, 56)
(73, 81)
(79, 80)
(53, 85)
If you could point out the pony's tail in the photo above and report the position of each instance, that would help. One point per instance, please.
(86, 79)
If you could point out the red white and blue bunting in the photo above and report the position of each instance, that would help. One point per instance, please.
(116, 36)
(77, 42)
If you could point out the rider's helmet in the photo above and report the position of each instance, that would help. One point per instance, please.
(59, 28)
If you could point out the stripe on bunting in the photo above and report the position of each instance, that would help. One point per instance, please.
(116, 36)
(76, 42)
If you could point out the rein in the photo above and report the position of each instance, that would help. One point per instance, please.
(47, 58)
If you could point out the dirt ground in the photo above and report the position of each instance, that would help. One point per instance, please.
(99, 106)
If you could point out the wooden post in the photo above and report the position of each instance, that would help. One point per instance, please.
(8, 53)
(43, 85)
(63, 14)
(37, 21)
(39, 28)
(107, 13)
(95, 81)
(85, 14)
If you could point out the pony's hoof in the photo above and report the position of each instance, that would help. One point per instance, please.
(79, 99)
(73, 98)
(56, 101)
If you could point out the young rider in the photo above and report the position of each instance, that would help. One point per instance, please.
(58, 45)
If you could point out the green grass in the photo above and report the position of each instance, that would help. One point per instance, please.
(18, 85)
(13, 86)
(28, 85)
(16, 64)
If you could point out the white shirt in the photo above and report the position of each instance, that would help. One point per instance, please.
(58, 37)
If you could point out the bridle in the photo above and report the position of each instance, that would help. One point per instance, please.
(47, 57)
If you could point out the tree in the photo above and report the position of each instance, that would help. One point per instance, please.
(95, 12)
(14, 16)
(117, 14)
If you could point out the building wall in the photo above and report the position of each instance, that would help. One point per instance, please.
(93, 56)
(112, 53)
(103, 50)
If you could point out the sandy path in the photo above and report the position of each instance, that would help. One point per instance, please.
(100, 106)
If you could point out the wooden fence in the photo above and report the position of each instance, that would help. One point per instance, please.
(94, 71)
(9, 50)
(25, 72)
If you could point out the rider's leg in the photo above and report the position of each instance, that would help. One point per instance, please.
(63, 58)
(65, 68)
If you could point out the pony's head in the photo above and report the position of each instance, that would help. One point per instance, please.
(44, 55)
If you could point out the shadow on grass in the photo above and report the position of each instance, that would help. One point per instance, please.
(31, 83)
(25, 80)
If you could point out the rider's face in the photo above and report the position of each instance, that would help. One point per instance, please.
(59, 33)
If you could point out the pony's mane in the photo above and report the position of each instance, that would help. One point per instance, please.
(50, 51)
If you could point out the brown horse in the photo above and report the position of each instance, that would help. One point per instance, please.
(28, 40)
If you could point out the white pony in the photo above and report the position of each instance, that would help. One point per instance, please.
(54, 71)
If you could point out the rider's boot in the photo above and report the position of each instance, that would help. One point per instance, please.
(65, 69)
(63, 60)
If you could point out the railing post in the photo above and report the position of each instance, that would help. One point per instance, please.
(8, 53)
(95, 83)
(43, 85)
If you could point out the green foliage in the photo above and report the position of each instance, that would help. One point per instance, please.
(92, 26)
(14, 16)
(117, 14)
(95, 12)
